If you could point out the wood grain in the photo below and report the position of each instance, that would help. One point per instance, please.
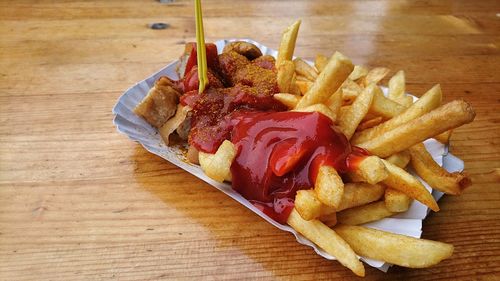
(79, 201)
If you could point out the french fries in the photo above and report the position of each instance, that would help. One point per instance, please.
(302, 78)
(375, 75)
(372, 170)
(217, 166)
(287, 45)
(358, 72)
(304, 69)
(328, 240)
(401, 180)
(397, 89)
(444, 138)
(448, 116)
(329, 186)
(303, 86)
(400, 159)
(286, 70)
(307, 204)
(384, 107)
(429, 101)
(334, 102)
(294, 88)
(393, 248)
(350, 91)
(332, 202)
(434, 175)
(320, 62)
(328, 81)
(319, 107)
(364, 214)
(356, 194)
(370, 123)
(397, 86)
(396, 201)
(349, 121)
(287, 99)
(330, 219)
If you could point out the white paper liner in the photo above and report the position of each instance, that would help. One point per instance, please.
(137, 129)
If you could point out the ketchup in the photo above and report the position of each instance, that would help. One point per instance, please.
(280, 153)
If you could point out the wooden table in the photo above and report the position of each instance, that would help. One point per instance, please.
(79, 201)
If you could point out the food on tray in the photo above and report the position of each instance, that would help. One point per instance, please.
(319, 148)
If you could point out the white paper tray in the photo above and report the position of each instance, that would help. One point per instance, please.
(137, 129)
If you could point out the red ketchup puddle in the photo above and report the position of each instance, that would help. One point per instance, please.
(280, 153)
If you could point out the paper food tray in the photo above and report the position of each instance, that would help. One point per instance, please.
(407, 223)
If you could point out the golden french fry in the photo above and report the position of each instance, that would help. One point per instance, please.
(396, 201)
(358, 72)
(328, 81)
(394, 248)
(400, 159)
(364, 214)
(397, 86)
(294, 89)
(350, 91)
(356, 194)
(444, 138)
(302, 78)
(218, 166)
(334, 102)
(343, 110)
(429, 101)
(405, 101)
(328, 240)
(304, 69)
(329, 187)
(375, 75)
(448, 116)
(304, 86)
(173, 123)
(397, 89)
(434, 175)
(287, 44)
(330, 219)
(319, 107)
(382, 106)
(307, 204)
(320, 62)
(372, 170)
(401, 180)
(350, 119)
(370, 123)
(286, 70)
(354, 177)
(287, 99)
